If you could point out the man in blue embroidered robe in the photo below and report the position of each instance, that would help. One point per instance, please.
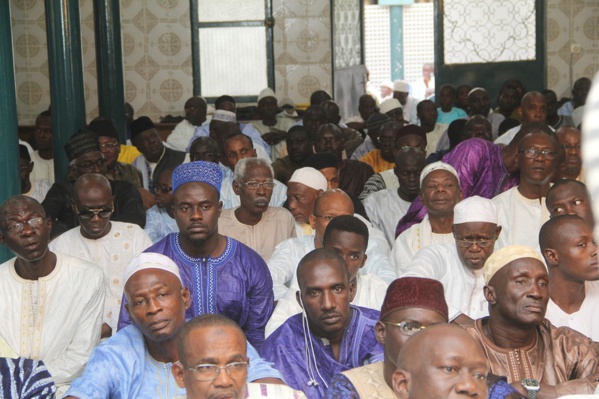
(223, 275)
(330, 335)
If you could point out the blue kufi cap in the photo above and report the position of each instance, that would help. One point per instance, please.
(198, 172)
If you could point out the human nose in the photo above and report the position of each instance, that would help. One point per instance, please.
(327, 302)
(223, 378)
(261, 190)
(466, 385)
(196, 214)
(154, 306)
(593, 249)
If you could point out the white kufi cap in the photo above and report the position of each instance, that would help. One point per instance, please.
(475, 209)
(150, 260)
(438, 166)
(309, 177)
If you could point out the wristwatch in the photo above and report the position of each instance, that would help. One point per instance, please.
(532, 387)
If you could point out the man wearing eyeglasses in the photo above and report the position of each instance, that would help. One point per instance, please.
(213, 363)
(458, 266)
(136, 362)
(83, 151)
(51, 303)
(110, 245)
(571, 167)
(255, 223)
(522, 210)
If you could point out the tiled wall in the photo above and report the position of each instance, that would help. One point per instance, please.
(571, 21)
(157, 51)
(302, 46)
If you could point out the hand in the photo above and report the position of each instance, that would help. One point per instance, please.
(147, 198)
(274, 137)
(106, 331)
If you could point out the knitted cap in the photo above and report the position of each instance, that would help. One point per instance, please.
(415, 292)
(505, 255)
(224, 116)
(198, 172)
(309, 177)
(438, 166)
(389, 105)
(475, 209)
(376, 121)
(268, 92)
(402, 86)
(81, 143)
(150, 260)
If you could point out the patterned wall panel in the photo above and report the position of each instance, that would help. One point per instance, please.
(302, 46)
(419, 39)
(377, 56)
(488, 31)
(571, 21)
(348, 43)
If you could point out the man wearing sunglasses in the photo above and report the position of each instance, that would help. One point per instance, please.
(83, 151)
(522, 210)
(110, 245)
(458, 266)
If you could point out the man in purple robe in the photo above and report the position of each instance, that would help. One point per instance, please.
(484, 168)
(330, 335)
(223, 275)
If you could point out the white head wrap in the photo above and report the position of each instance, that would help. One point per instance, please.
(438, 166)
(268, 92)
(309, 177)
(389, 105)
(223, 115)
(402, 86)
(505, 255)
(475, 209)
(150, 260)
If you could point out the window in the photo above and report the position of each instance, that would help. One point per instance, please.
(232, 48)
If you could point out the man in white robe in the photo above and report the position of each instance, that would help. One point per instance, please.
(458, 266)
(570, 252)
(255, 223)
(532, 109)
(384, 208)
(440, 192)
(51, 303)
(332, 203)
(110, 245)
(521, 209)
(195, 115)
(348, 236)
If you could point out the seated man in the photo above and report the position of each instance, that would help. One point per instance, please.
(517, 339)
(155, 156)
(299, 148)
(392, 108)
(440, 192)
(441, 362)
(411, 304)
(330, 335)
(427, 115)
(51, 303)
(522, 209)
(218, 345)
(330, 204)
(532, 110)
(236, 147)
(348, 236)
(136, 362)
(374, 124)
(570, 140)
(255, 223)
(195, 116)
(83, 151)
(272, 129)
(110, 245)
(382, 158)
(43, 156)
(386, 207)
(570, 197)
(223, 275)
(458, 266)
(36, 189)
(302, 189)
(570, 252)
(160, 219)
(110, 146)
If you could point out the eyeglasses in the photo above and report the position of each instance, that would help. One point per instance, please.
(90, 213)
(532, 153)
(406, 327)
(88, 165)
(209, 372)
(18, 227)
(203, 156)
(571, 147)
(466, 243)
(108, 146)
(163, 188)
(253, 185)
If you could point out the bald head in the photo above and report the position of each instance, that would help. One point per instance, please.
(569, 197)
(554, 231)
(91, 182)
(317, 259)
(418, 375)
(533, 107)
(334, 198)
(331, 110)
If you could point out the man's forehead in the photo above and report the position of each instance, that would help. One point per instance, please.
(22, 207)
(565, 192)
(256, 169)
(299, 188)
